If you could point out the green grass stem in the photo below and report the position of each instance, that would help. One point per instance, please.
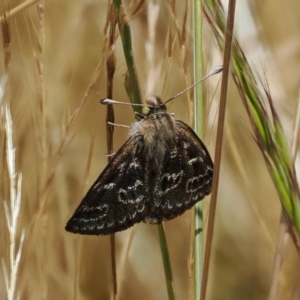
(268, 131)
(133, 91)
(198, 125)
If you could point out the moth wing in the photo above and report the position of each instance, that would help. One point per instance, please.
(184, 178)
(117, 199)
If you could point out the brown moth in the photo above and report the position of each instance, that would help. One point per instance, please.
(161, 171)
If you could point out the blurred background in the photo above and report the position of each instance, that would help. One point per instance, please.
(53, 73)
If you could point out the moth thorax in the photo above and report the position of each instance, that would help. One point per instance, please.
(158, 131)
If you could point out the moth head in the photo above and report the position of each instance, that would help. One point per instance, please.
(154, 104)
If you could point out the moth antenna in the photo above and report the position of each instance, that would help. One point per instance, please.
(118, 125)
(110, 101)
(215, 71)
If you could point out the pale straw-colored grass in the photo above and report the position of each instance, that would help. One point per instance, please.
(71, 124)
(12, 208)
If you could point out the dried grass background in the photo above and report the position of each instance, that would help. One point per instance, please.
(60, 139)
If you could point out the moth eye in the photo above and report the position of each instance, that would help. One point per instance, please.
(145, 110)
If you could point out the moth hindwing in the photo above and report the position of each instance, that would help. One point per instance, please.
(161, 171)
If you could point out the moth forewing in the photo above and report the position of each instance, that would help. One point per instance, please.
(117, 199)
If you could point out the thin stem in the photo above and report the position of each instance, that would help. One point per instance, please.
(110, 118)
(18, 9)
(166, 260)
(221, 119)
(125, 33)
(198, 125)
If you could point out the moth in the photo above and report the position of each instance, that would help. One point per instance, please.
(161, 171)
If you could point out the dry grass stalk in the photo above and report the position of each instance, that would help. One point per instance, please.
(12, 211)
(73, 52)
